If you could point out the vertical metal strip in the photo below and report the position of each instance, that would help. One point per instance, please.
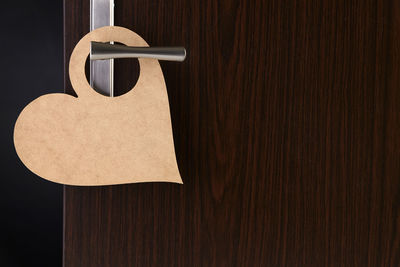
(102, 71)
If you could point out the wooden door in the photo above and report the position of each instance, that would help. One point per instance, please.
(286, 121)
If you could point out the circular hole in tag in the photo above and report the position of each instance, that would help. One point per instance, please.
(126, 75)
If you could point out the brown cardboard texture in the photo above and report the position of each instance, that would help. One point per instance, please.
(99, 140)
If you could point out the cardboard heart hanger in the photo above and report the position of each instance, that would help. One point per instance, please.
(98, 140)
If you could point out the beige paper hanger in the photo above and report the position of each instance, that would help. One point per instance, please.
(99, 140)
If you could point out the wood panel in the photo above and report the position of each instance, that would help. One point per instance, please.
(286, 124)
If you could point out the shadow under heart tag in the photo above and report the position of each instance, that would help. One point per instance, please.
(99, 140)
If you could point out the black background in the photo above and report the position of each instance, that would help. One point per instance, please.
(31, 65)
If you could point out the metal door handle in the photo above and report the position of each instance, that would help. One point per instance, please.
(106, 51)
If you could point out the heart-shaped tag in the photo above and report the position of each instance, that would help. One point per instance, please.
(99, 140)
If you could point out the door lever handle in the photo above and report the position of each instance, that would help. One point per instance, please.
(107, 51)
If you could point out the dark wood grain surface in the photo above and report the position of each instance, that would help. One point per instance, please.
(286, 121)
